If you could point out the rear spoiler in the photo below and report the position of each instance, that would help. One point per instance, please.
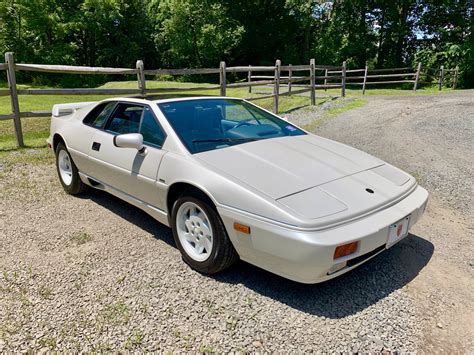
(67, 109)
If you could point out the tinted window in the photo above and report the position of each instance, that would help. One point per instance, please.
(151, 130)
(99, 114)
(207, 124)
(125, 119)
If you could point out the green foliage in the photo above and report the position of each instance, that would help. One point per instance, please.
(448, 55)
(76, 32)
(195, 33)
(200, 33)
(448, 38)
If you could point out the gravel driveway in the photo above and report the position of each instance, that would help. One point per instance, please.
(96, 274)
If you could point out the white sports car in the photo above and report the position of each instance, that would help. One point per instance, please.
(233, 181)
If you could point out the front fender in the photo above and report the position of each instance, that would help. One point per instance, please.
(222, 190)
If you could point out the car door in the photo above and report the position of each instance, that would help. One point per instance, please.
(81, 135)
(127, 169)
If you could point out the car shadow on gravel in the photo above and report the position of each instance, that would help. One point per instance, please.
(132, 214)
(337, 298)
(344, 295)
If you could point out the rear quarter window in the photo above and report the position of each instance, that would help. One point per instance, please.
(99, 114)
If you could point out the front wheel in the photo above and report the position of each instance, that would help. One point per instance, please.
(67, 172)
(200, 236)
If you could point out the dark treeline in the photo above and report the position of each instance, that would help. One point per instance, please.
(200, 33)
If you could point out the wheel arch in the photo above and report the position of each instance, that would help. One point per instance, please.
(185, 188)
(57, 138)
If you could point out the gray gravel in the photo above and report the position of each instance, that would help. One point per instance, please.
(96, 274)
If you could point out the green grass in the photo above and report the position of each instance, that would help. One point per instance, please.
(342, 106)
(45, 292)
(80, 238)
(134, 340)
(36, 130)
(394, 91)
(115, 314)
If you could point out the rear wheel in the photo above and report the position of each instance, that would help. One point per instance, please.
(200, 236)
(67, 172)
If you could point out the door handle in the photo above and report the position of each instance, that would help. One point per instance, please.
(96, 146)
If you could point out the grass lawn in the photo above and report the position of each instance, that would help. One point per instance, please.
(35, 130)
(390, 92)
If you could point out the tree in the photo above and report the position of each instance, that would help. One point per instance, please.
(113, 33)
(200, 33)
(85, 32)
(446, 37)
(194, 32)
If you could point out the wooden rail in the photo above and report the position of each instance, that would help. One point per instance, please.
(181, 71)
(78, 91)
(70, 69)
(334, 77)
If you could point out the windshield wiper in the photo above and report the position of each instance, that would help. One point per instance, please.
(225, 140)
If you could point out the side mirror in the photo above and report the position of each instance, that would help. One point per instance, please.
(129, 140)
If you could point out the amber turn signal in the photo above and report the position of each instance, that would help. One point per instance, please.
(241, 228)
(345, 249)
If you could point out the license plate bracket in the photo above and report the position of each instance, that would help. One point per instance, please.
(397, 231)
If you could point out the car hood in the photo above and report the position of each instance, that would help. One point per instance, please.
(283, 166)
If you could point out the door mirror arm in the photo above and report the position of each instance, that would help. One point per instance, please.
(142, 151)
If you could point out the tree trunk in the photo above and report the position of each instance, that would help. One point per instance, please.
(380, 50)
(403, 15)
(363, 34)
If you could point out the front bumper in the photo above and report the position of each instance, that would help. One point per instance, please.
(307, 256)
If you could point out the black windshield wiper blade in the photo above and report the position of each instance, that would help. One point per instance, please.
(224, 140)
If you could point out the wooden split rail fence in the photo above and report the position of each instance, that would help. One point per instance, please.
(333, 77)
(341, 77)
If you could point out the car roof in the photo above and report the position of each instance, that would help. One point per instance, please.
(197, 98)
(191, 98)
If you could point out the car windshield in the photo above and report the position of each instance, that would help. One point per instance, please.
(208, 124)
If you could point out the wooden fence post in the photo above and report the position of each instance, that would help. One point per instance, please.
(441, 77)
(365, 78)
(222, 78)
(312, 74)
(455, 79)
(417, 77)
(325, 80)
(290, 74)
(249, 78)
(343, 81)
(14, 98)
(141, 77)
(276, 87)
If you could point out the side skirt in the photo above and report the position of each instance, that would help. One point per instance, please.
(158, 214)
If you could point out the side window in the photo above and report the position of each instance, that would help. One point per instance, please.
(125, 119)
(151, 130)
(99, 114)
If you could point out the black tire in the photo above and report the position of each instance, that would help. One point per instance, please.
(223, 253)
(76, 186)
